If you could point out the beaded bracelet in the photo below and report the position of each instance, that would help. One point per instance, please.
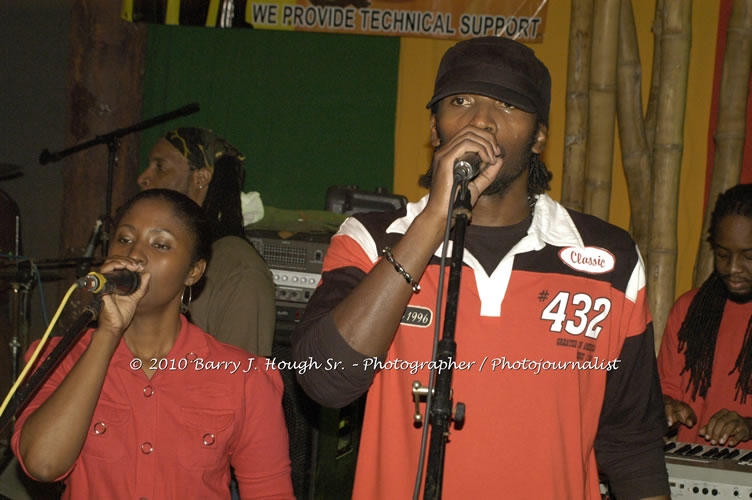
(398, 267)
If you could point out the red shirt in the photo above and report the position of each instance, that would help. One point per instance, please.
(722, 388)
(176, 435)
(536, 420)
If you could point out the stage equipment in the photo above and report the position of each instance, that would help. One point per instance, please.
(440, 409)
(29, 386)
(706, 471)
(112, 139)
(351, 200)
(323, 441)
(295, 263)
(13, 319)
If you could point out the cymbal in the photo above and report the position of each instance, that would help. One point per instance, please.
(9, 171)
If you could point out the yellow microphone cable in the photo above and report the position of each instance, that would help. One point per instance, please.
(39, 348)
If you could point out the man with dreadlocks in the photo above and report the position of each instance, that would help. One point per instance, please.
(705, 360)
(235, 301)
(548, 298)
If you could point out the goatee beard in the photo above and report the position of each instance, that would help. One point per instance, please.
(504, 180)
(500, 186)
(742, 298)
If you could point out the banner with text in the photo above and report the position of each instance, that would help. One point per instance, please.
(523, 20)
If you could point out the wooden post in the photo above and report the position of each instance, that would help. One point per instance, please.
(105, 93)
(634, 147)
(602, 110)
(651, 113)
(669, 144)
(576, 127)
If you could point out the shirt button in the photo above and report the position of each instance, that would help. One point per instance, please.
(208, 439)
(191, 356)
(148, 391)
(146, 448)
(100, 428)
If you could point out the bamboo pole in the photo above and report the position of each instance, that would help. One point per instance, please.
(669, 143)
(602, 107)
(634, 148)
(732, 113)
(578, 76)
(651, 113)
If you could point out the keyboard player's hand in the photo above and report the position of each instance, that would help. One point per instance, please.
(678, 412)
(726, 426)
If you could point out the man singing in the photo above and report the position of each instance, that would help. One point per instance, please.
(556, 293)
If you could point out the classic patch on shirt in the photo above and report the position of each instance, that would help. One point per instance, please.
(417, 316)
(591, 260)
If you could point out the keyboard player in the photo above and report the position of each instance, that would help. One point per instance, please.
(705, 359)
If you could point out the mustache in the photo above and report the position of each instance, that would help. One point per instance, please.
(502, 152)
(725, 276)
(425, 180)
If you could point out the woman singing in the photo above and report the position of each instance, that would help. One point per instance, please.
(147, 405)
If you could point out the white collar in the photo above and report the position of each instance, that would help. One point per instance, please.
(551, 224)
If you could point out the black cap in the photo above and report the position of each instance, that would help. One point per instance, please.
(495, 67)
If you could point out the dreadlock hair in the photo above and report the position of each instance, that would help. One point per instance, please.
(699, 330)
(222, 202)
(734, 201)
(539, 176)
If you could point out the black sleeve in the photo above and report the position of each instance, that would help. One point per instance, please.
(342, 376)
(629, 443)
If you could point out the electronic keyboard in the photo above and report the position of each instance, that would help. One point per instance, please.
(707, 471)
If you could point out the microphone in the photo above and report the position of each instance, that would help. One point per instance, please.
(93, 240)
(467, 167)
(119, 282)
(85, 265)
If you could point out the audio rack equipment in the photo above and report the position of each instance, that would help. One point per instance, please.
(295, 263)
(323, 441)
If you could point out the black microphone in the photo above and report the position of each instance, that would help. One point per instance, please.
(119, 282)
(467, 167)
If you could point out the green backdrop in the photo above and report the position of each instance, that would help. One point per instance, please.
(308, 110)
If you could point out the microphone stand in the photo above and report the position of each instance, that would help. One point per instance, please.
(21, 284)
(29, 388)
(96, 237)
(112, 139)
(441, 411)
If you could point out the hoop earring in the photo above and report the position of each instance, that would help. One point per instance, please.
(183, 306)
